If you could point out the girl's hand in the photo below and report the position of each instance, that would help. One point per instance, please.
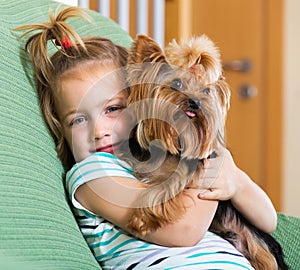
(220, 179)
(223, 180)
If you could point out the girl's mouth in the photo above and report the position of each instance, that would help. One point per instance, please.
(106, 149)
(109, 148)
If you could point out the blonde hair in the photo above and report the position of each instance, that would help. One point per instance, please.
(49, 69)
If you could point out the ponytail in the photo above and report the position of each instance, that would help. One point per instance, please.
(58, 32)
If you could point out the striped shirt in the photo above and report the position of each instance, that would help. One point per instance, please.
(115, 249)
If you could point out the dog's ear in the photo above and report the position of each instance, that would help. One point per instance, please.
(146, 64)
(145, 49)
(224, 94)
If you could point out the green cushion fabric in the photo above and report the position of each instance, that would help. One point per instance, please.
(288, 235)
(36, 223)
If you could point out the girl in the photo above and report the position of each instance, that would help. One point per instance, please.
(83, 100)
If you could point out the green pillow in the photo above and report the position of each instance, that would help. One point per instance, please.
(36, 223)
(287, 234)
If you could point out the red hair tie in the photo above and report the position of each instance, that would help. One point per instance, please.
(65, 42)
(195, 69)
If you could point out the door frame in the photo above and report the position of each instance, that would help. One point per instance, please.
(274, 101)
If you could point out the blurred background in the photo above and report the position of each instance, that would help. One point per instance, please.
(259, 42)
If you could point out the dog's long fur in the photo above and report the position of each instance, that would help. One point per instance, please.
(181, 99)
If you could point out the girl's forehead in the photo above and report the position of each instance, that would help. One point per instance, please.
(85, 86)
(86, 69)
(89, 87)
(105, 74)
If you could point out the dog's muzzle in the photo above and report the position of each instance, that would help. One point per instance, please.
(194, 104)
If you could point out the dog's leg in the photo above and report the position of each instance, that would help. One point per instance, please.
(163, 202)
(261, 249)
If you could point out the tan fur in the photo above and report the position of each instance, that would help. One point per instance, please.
(184, 131)
(229, 224)
(175, 136)
(201, 51)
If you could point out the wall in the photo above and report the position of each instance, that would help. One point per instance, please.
(291, 193)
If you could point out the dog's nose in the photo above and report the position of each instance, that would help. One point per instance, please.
(194, 103)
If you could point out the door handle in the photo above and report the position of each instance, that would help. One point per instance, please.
(247, 92)
(240, 65)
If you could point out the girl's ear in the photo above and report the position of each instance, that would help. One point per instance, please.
(145, 49)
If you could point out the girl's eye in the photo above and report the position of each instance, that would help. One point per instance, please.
(78, 120)
(206, 91)
(177, 84)
(114, 110)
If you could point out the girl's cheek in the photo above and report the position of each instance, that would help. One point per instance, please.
(76, 143)
(68, 139)
(127, 123)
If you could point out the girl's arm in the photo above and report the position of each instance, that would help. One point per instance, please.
(113, 198)
(250, 196)
(247, 197)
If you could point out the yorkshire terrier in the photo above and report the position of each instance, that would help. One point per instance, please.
(180, 100)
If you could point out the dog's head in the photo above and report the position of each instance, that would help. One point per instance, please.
(179, 97)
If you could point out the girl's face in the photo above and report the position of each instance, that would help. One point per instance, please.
(91, 106)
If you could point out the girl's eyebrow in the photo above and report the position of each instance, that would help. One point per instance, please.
(119, 96)
(115, 98)
(69, 113)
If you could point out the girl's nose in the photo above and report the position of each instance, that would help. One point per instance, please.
(100, 129)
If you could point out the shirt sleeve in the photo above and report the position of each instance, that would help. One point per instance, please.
(95, 166)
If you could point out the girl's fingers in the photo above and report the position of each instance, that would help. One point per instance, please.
(213, 168)
(209, 194)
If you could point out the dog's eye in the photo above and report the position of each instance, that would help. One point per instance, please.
(206, 91)
(177, 84)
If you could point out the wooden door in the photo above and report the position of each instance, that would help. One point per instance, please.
(244, 31)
